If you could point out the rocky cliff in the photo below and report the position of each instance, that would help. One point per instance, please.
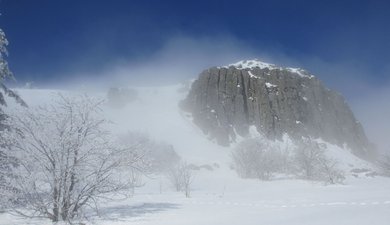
(227, 101)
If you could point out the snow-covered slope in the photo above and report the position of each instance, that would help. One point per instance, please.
(156, 113)
(219, 196)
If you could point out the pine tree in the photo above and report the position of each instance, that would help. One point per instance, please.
(5, 74)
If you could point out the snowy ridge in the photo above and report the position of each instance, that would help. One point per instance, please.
(255, 63)
(250, 64)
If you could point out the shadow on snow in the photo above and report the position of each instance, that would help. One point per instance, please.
(135, 211)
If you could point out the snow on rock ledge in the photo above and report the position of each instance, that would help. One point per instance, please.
(255, 63)
(250, 64)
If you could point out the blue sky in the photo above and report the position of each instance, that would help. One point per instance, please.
(50, 40)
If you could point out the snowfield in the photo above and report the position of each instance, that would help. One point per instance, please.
(218, 195)
(231, 201)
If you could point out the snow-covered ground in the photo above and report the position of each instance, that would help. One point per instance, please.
(362, 201)
(224, 200)
(219, 196)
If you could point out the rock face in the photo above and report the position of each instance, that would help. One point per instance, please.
(227, 101)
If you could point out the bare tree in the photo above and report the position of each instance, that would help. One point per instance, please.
(174, 175)
(313, 163)
(159, 156)
(66, 159)
(330, 174)
(308, 155)
(257, 158)
(187, 178)
(181, 177)
(261, 158)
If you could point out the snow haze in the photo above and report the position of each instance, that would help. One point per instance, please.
(107, 139)
(182, 58)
